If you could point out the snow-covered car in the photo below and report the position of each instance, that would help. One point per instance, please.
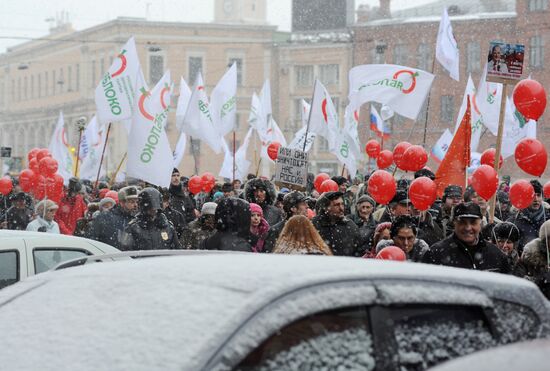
(24, 254)
(247, 311)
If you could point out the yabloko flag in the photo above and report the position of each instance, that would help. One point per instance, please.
(59, 148)
(446, 48)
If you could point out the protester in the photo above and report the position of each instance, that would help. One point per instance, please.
(464, 248)
(200, 229)
(502, 208)
(403, 233)
(149, 229)
(258, 228)
(299, 236)
(175, 217)
(108, 226)
(400, 204)
(452, 196)
(83, 224)
(535, 256)
(106, 203)
(44, 222)
(362, 217)
(227, 190)
(71, 207)
(262, 192)
(505, 236)
(180, 199)
(338, 232)
(18, 215)
(232, 226)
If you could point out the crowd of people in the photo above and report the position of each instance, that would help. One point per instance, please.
(256, 216)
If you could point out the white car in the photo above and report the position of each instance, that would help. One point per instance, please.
(248, 311)
(23, 254)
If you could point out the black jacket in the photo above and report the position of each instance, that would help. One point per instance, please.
(272, 214)
(232, 226)
(18, 218)
(366, 230)
(177, 219)
(108, 226)
(144, 234)
(529, 227)
(341, 235)
(182, 202)
(454, 253)
(273, 235)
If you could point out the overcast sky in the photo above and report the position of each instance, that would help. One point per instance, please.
(27, 18)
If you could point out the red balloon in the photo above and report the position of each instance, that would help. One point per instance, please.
(195, 184)
(27, 179)
(530, 99)
(398, 153)
(488, 158)
(273, 150)
(33, 165)
(54, 187)
(391, 253)
(382, 186)
(423, 192)
(6, 185)
(47, 166)
(208, 182)
(546, 190)
(521, 194)
(485, 181)
(110, 194)
(385, 159)
(531, 156)
(372, 148)
(32, 153)
(319, 179)
(42, 153)
(40, 186)
(414, 158)
(329, 185)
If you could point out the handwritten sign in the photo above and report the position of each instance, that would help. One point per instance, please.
(291, 168)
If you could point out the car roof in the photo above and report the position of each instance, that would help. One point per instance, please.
(6, 234)
(178, 307)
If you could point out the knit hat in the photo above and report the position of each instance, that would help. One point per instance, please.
(217, 195)
(255, 208)
(366, 198)
(106, 200)
(49, 204)
(209, 208)
(544, 231)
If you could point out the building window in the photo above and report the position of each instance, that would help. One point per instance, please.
(447, 108)
(304, 75)
(46, 84)
(25, 90)
(77, 77)
(329, 74)
(322, 145)
(102, 66)
(536, 52)
(424, 57)
(239, 63)
(93, 82)
(535, 5)
(474, 57)
(237, 120)
(69, 78)
(400, 54)
(156, 68)
(39, 86)
(61, 81)
(195, 66)
(19, 89)
(195, 147)
(380, 53)
(32, 86)
(2, 95)
(12, 93)
(54, 81)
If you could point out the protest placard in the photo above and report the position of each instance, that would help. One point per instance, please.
(505, 61)
(291, 168)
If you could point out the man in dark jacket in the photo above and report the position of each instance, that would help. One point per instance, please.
(362, 216)
(150, 229)
(18, 215)
(403, 234)
(199, 230)
(464, 248)
(180, 199)
(108, 226)
(262, 192)
(175, 217)
(339, 232)
(294, 203)
(232, 226)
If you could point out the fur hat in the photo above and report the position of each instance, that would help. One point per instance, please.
(544, 231)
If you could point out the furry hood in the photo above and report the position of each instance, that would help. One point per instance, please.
(534, 255)
(253, 184)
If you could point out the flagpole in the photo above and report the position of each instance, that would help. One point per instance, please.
(102, 155)
(309, 115)
(194, 155)
(81, 124)
(498, 148)
(233, 157)
(427, 109)
(117, 169)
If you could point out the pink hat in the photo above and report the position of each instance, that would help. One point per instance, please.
(255, 208)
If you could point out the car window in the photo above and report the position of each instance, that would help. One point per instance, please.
(427, 336)
(47, 258)
(338, 339)
(9, 268)
(516, 322)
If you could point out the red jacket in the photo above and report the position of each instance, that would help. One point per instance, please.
(70, 210)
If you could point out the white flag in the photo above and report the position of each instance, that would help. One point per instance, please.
(300, 136)
(265, 99)
(477, 120)
(183, 103)
(241, 162)
(446, 49)
(223, 102)
(198, 120)
(323, 116)
(351, 129)
(488, 98)
(149, 154)
(180, 149)
(255, 112)
(441, 147)
(59, 148)
(403, 89)
(115, 94)
(272, 134)
(344, 152)
(91, 146)
(516, 128)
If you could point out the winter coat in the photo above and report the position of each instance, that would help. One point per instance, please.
(290, 248)
(415, 255)
(453, 252)
(534, 258)
(145, 234)
(18, 219)
(366, 229)
(41, 225)
(272, 214)
(194, 234)
(429, 230)
(177, 219)
(108, 226)
(341, 235)
(273, 235)
(528, 226)
(258, 236)
(182, 202)
(232, 226)
(70, 210)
